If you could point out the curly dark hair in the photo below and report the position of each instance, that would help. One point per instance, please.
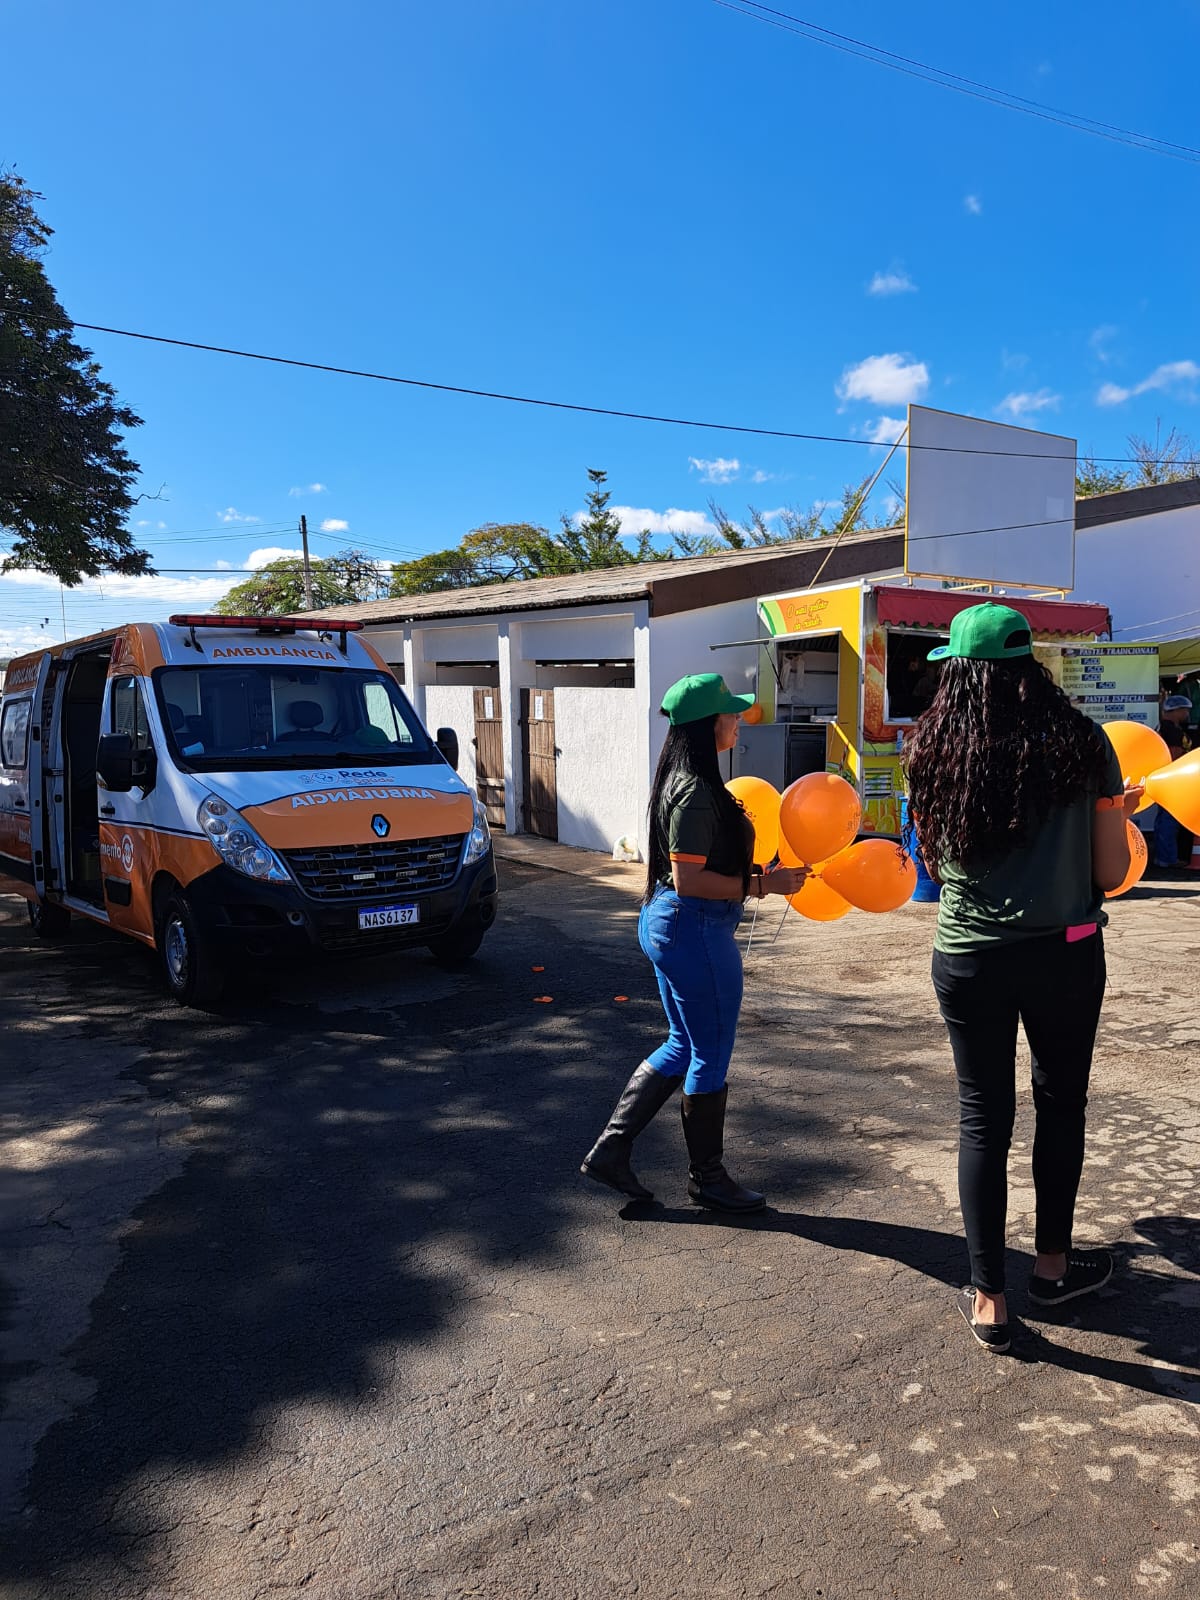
(998, 749)
(690, 751)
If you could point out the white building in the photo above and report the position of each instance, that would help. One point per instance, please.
(553, 684)
(1138, 550)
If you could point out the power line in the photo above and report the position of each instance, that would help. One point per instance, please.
(568, 405)
(971, 87)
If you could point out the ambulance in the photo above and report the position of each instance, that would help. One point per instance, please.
(232, 789)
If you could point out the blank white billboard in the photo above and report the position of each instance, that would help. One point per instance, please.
(989, 503)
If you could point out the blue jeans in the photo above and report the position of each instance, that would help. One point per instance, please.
(1166, 840)
(699, 970)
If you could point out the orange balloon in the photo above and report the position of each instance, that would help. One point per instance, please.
(1138, 857)
(1140, 751)
(819, 815)
(818, 902)
(874, 875)
(753, 714)
(1177, 789)
(761, 802)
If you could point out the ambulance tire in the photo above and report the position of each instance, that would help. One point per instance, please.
(193, 975)
(48, 922)
(460, 944)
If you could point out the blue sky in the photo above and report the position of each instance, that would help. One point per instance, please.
(658, 205)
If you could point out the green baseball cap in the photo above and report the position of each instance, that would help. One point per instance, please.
(704, 694)
(987, 633)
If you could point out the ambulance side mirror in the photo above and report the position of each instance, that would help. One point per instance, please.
(114, 762)
(447, 743)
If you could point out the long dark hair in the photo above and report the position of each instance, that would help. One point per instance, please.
(690, 751)
(999, 748)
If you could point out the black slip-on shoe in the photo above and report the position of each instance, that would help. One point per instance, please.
(1086, 1270)
(993, 1336)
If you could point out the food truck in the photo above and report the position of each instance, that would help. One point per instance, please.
(228, 789)
(843, 672)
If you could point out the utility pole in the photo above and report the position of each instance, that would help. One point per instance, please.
(308, 605)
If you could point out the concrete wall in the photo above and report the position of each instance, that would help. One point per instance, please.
(597, 772)
(453, 706)
(1146, 570)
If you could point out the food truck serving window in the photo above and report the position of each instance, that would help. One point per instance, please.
(910, 676)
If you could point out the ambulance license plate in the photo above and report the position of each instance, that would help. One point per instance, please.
(389, 916)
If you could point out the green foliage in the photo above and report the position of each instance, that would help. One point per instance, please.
(65, 476)
(277, 590)
(505, 552)
(821, 521)
(1157, 460)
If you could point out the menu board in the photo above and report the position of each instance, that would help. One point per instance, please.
(1112, 682)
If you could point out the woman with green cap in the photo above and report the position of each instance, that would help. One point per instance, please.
(700, 869)
(1020, 811)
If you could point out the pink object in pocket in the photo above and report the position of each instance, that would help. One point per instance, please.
(1081, 930)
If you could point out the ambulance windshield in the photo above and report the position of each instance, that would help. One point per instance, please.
(221, 718)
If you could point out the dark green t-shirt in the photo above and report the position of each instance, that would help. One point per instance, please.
(691, 829)
(1032, 892)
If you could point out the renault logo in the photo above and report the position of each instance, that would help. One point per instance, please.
(380, 826)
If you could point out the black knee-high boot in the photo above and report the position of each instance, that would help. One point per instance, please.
(704, 1132)
(643, 1097)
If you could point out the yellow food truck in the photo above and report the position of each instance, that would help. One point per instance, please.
(843, 672)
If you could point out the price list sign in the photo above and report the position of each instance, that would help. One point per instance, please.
(1113, 682)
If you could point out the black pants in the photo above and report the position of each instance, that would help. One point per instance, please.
(1055, 989)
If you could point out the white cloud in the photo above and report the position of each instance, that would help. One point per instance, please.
(1099, 339)
(307, 488)
(721, 469)
(232, 514)
(636, 519)
(973, 205)
(893, 282)
(335, 525)
(886, 430)
(759, 476)
(225, 566)
(1171, 375)
(268, 552)
(98, 603)
(1027, 404)
(888, 380)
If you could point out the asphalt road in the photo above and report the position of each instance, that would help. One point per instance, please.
(307, 1298)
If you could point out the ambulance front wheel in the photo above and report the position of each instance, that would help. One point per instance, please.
(194, 976)
(460, 944)
(47, 921)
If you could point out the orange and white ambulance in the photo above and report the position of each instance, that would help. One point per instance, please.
(225, 789)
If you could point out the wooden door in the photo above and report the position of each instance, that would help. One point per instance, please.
(489, 754)
(541, 777)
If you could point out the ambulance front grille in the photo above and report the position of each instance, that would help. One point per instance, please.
(377, 872)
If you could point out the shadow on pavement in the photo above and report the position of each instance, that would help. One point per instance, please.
(1140, 1305)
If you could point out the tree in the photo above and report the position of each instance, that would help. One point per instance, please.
(824, 520)
(277, 589)
(595, 540)
(505, 552)
(1156, 460)
(65, 476)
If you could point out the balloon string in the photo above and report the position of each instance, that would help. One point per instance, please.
(787, 906)
(753, 925)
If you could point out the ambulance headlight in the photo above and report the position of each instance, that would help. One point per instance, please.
(238, 845)
(479, 840)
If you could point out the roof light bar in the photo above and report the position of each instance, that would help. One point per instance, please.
(266, 624)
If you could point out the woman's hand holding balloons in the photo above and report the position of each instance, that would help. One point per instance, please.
(1140, 751)
(1134, 798)
(785, 880)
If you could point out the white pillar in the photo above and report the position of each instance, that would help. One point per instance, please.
(515, 674)
(648, 745)
(415, 677)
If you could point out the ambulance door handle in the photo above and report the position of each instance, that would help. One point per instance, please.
(108, 811)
